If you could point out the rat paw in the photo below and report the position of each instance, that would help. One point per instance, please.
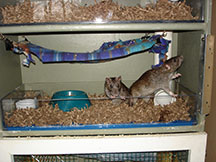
(122, 97)
(176, 75)
(173, 94)
(167, 66)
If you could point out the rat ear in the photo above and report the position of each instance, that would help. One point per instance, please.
(119, 78)
(107, 79)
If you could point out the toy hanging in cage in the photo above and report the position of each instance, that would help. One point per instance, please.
(108, 50)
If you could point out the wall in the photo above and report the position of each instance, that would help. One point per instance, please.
(211, 119)
(82, 76)
(70, 72)
(10, 71)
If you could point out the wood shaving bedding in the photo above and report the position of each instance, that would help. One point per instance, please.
(106, 10)
(100, 112)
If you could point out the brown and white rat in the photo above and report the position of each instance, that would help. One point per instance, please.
(116, 90)
(155, 79)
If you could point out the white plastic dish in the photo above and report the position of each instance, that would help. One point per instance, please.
(26, 103)
(162, 98)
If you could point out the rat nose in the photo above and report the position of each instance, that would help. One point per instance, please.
(116, 93)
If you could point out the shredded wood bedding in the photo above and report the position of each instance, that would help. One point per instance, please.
(100, 112)
(104, 10)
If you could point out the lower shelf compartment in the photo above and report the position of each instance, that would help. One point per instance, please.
(169, 156)
(101, 116)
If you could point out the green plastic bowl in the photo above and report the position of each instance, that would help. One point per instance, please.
(69, 99)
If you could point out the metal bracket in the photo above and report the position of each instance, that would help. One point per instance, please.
(208, 74)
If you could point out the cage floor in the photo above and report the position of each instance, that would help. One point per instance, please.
(101, 115)
(108, 11)
(171, 156)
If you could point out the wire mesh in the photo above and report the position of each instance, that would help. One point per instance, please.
(169, 156)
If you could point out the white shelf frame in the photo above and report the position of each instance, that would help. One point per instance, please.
(61, 28)
(194, 142)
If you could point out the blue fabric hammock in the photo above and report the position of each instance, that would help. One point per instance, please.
(107, 51)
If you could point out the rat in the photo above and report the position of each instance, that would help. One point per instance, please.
(155, 79)
(116, 90)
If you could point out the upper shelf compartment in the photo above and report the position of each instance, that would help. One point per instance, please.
(27, 16)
